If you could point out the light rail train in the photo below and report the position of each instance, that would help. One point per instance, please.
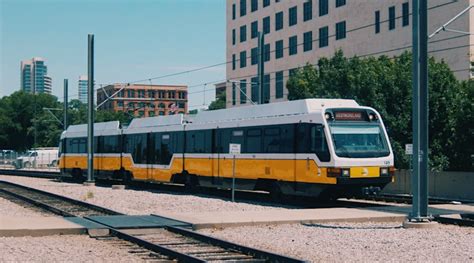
(324, 148)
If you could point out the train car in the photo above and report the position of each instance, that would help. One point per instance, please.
(324, 148)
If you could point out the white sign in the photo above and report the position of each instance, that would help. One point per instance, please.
(409, 149)
(234, 148)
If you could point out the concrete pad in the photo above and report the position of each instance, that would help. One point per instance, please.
(418, 225)
(118, 187)
(320, 215)
(12, 226)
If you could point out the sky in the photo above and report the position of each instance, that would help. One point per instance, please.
(134, 40)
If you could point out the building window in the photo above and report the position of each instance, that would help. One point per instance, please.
(341, 30)
(254, 5)
(120, 104)
(243, 33)
(323, 36)
(323, 7)
(254, 89)
(233, 11)
(243, 7)
(151, 94)
(391, 18)
(243, 59)
(293, 41)
(171, 94)
(308, 10)
(293, 71)
(279, 85)
(254, 56)
(233, 93)
(161, 94)
(377, 22)
(308, 41)
(254, 29)
(279, 49)
(406, 14)
(278, 21)
(266, 52)
(340, 3)
(130, 93)
(243, 91)
(293, 16)
(233, 36)
(182, 95)
(151, 114)
(266, 25)
(233, 61)
(266, 3)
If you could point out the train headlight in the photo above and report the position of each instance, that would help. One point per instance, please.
(384, 171)
(372, 117)
(328, 116)
(346, 172)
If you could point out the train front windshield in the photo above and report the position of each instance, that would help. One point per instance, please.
(359, 140)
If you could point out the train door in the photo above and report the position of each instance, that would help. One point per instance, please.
(149, 155)
(216, 157)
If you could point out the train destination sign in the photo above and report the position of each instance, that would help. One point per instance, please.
(348, 116)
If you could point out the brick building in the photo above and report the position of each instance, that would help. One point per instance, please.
(144, 100)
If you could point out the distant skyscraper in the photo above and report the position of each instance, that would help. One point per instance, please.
(34, 78)
(82, 88)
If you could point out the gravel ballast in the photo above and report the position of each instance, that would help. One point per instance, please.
(135, 202)
(357, 242)
(68, 248)
(9, 208)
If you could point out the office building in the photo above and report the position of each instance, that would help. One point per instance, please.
(34, 76)
(300, 32)
(144, 100)
(82, 88)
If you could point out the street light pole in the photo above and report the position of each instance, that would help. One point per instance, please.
(90, 115)
(65, 104)
(420, 112)
(261, 66)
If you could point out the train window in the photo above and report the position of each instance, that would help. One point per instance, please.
(166, 150)
(287, 139)
(238, 133)
(271, 140)
(319, 143)
(137, 146)
(198, 141)
(109, 144)
(254, 141)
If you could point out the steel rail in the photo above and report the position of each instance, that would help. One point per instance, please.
(261, 254)
(54, 196)
(231, 251)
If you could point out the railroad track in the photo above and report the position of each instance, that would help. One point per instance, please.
(460, 220)
(160, 245)
(30, 173)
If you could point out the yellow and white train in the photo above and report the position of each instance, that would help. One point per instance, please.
(315, 147)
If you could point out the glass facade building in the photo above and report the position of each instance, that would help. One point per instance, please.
(34, 76)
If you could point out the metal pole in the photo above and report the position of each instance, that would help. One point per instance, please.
(90, 115)
(420, 111)
(261, 66)
(233, 179)
(65, 104)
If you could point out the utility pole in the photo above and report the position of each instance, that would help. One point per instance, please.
(420, 112)
(90, 115)
(261, 66)
(65, 104)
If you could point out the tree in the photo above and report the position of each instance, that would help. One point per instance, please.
(219, 103)
(385, 84)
